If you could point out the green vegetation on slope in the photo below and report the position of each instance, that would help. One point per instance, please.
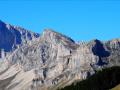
(102, 80)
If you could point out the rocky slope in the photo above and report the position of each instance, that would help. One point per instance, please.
(104, 79)
(52, 60)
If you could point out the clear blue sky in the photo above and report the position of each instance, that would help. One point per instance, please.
(81, 20)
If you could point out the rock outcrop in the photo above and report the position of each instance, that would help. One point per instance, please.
(51, 60)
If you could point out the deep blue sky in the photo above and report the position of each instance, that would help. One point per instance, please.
(81, 20)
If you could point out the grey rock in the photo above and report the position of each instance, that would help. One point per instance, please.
(52, 59)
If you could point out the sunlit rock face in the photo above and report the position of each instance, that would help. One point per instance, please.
(50, 60)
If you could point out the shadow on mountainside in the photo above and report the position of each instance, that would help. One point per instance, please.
(100, 51)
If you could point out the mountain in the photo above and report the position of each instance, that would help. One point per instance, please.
(50, 60)
(104, 79)
(12, 36)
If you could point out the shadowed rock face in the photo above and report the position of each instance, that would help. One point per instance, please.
(7, 38)
(11, 36)
(99, 49)
(51, 60)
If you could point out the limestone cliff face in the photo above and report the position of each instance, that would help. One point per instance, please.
(54, 60)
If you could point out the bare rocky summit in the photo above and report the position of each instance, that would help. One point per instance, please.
(30, 61)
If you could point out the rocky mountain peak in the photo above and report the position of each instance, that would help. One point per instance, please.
(50, 60)
(4, 25)
(48, 31)
(57, 38)
(12, 36)
(113, 44)
(1, 22)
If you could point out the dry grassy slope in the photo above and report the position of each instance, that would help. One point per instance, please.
(116, 88)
